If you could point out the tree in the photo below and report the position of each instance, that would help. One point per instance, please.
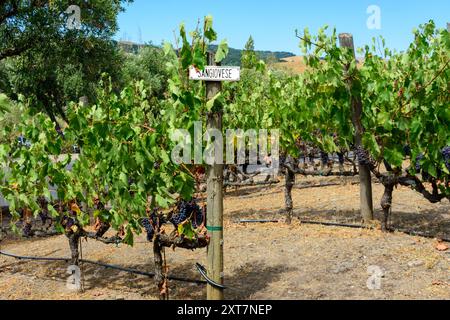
(9, 115)
(249, 58)
(25, 25)
(52, 63)
(52, 78)
(271, 59)
(149, 65)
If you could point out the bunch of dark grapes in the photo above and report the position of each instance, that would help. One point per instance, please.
(406, 150)
(199, 218)
(363, 156)
(419, 158)
(187, 210)
(59, 130)
(155, 220)
(148, 226)
(184, 209)
(26, 230)
(43, 214)
(324, 157)
(281, 160)
(446, 155)
(67, 222)
(341, 158)
(425, 175)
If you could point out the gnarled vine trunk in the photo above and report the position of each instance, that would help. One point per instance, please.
(386, 204)
(101, 228)
(389, 182)
(74, 240)
(159, 269)
(289, 184)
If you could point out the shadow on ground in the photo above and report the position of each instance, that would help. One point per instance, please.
(252, 278)
(431, 222)
(242, 283)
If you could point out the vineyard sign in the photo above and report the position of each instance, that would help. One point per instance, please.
(215, 73)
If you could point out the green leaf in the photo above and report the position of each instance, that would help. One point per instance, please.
(4, 103)
(430, 168)
(370, 142)
(4, 150)
(394, 157)
(24, 199)
(52, 211)
(222, 51)
(199, 59)
(209, 32)
(216, 102)
(187, 230)
(123, 178)
(83, 218)
(164, 156)
(162, 202)
(129, 237)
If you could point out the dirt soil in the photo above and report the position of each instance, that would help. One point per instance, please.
(264, 261)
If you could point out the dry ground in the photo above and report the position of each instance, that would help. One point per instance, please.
(265, 261)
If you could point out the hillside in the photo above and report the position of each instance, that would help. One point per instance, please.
(233, 58)
(296, 64)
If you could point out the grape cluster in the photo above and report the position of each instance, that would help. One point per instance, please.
(154, 221)
(418, 167)
(44, 216)
(406, 150)
(70, 223)
(198, 218)
(59, 130)
(425, 175)
(324, 157)
(341, 158)
(363, 156)
(148, 226)
(282, 159)
(187, 210)
(419, 158)
(67, 222)
(26, 230)
(446, 155)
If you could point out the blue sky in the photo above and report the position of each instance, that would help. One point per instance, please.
(272, 23)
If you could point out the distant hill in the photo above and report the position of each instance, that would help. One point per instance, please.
(233, 58)
(294, 65)
(131, 47)
(297, 65)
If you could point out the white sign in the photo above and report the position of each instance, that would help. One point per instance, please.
(214, 73)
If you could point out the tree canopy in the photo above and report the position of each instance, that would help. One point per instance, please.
(48, 61)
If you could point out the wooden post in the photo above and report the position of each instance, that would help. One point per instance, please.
(214, 219)
(366, 201)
